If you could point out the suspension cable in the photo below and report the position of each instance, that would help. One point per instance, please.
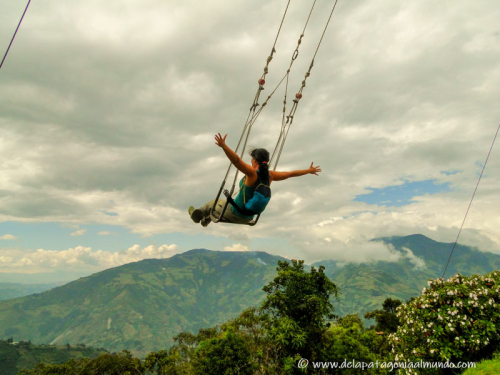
(17, 28)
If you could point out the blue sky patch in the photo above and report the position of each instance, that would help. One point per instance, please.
(450, 173)
(401, 195)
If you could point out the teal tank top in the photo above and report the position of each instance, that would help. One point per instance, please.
(244, 195)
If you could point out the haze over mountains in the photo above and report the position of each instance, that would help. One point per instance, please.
(141, 306)
(14, 290)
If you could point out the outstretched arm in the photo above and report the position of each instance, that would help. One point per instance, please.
(280, 176)
(233, 156)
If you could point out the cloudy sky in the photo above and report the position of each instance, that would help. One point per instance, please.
(108, 112)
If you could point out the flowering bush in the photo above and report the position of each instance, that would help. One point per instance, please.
(454, 320)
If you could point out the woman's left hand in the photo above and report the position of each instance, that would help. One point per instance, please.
(219, 140)
(314, 170)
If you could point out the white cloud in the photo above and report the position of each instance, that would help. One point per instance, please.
(8, 237)
(79, 232)
(261, 262)
(353, 251)
(4, 259)
(81, 256)
(104, 233)
(236, 247)
(418, 262)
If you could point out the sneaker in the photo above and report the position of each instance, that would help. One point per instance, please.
(205, 221)
(196, 215)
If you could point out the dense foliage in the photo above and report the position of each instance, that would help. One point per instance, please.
(454, 320)
(386, 319)
(15, 356)
(300, 307)
(110, 364)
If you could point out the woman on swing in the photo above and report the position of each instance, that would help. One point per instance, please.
(259, 168)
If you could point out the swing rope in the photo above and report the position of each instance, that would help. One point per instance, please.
(15, 33)
(294, 57)
(253, 114)
(289, 119)
(255, 103)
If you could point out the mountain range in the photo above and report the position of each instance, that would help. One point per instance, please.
(141, 306)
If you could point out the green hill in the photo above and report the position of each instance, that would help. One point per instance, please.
(142, 306)
(24, 355)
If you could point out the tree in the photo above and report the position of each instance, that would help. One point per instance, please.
(348, 341)
(110, 364)
(253, 325)
(350, 320)
(387, 320)
(227, 354)
(456, 320)
(299, 305)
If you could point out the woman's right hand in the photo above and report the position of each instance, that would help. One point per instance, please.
(220, 141)
(314, 170)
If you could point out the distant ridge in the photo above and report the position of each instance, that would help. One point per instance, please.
(365, 286)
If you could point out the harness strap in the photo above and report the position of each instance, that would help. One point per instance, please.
(243, 211)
